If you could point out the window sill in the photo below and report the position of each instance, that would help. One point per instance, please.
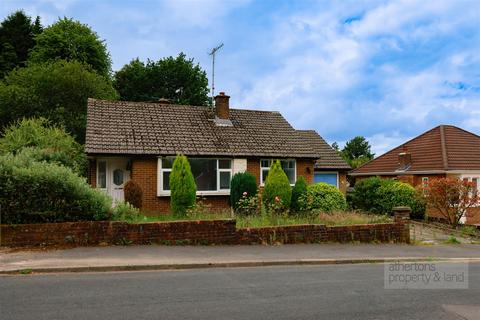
(199, 193)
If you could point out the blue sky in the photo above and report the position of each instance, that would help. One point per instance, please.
(387, 70)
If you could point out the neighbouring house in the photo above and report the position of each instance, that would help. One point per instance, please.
(444, 151)
(139, 141)
(330, 167)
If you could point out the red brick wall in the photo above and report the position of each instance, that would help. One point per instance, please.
(192, 232)
(97, 232)
(387, 232)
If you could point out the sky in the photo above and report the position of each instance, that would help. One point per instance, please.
(386, 70)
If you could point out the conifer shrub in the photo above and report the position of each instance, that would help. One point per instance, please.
(182, 186)
(298, 190)
(133, 194)
(243, 185)
(277, 187)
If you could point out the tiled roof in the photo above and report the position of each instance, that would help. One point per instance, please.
(329, 159)
(120, 127)
(440, 149)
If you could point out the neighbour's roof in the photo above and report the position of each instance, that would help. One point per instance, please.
(121, 127)
(443, 148)
(329, 159)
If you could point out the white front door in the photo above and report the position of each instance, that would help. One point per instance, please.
(112, 175)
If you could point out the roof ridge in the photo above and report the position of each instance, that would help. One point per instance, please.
(140, 103)
(444, 147)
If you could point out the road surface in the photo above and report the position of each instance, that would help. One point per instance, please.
(300, 292)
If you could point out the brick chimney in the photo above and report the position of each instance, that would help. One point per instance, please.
(222, 107)
(404, 159)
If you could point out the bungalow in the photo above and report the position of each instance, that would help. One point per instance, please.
(444, 151)
(139, 141)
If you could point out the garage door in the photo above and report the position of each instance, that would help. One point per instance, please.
(330, 178)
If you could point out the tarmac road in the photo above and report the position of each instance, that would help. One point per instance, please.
(287, 292)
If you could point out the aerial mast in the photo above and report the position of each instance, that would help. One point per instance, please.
(212, 53)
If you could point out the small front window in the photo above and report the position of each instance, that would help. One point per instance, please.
(102, 174)
(288, 166)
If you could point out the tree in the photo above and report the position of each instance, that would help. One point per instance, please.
(451, 197)
(277, 187)
(356, 148)
(177, 79)
(57, 91)
(70, 40)
(335, 146)
(182, 186)
(46, 143)
(17, 37)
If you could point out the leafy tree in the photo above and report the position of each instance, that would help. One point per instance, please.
(277, 187)
(298, 190)
(182, 186)
(57, 91)
(69, 40)
(242, 183)
(356, 148)
(48, 142)
(177, 79)
(451, 197)
(335, 146)
(17, 37)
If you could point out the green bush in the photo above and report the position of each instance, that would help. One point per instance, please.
(36, 192)
(379, 196)
(277, 186)
(133, 194)
(124, 211)
(182, 186)
(242, 182)
(298, 190)
(322, 197)
(365, 197)
(248, 206)
(46, 143)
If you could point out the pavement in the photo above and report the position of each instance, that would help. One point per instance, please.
(156, 257)
(331, 292)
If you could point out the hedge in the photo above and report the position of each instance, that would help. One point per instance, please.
(378, 195)
(37, 192)
(323, 197)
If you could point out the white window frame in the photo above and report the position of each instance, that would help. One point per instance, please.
(328, 172)
(161, 170)
(268, 168)
(97, 178)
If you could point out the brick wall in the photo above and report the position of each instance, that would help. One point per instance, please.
(193, 232)
(94, 233)
(385, 233)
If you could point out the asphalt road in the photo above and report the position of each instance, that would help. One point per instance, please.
(318, 292)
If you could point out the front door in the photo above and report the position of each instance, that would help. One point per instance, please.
(116, 177)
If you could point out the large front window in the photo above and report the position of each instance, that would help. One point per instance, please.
(211, 175)
(287, 165)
